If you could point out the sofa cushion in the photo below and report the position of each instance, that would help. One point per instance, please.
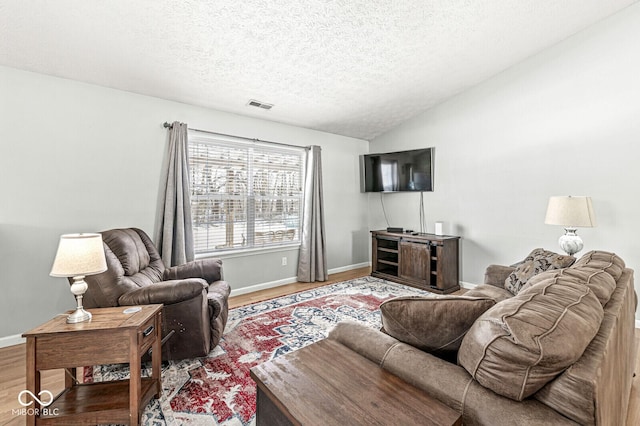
(600, 282)
(595, 389)
(539, 260)
(609, 262)
(522, 343)
(432, 324)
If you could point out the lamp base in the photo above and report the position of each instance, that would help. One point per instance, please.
(78, 287)
(79, 315)
(570, 242)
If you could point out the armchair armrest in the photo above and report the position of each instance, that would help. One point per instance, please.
(208, 269)
(496, 274)
(166, 292)
(217, 297)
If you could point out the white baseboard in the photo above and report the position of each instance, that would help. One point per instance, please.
(349, 267)
(16, 339)
(262, 286)
(291, 280)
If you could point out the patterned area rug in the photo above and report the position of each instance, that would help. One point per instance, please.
(217, 389)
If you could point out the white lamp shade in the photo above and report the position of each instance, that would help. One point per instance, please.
(570, 211)
(79, 255)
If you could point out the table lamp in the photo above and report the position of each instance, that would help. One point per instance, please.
(570, 212)
(79, 255)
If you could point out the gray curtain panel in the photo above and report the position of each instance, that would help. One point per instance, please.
(174, 233)
(312, 263)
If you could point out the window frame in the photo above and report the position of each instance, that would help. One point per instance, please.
(254, 148)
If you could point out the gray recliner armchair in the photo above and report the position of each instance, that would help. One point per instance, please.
(194, 295)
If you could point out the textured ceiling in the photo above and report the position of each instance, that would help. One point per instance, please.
(351, 67)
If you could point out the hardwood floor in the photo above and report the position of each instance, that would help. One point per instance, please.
(282, 290)
(13, 365)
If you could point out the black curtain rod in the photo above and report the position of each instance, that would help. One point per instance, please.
(168, 126)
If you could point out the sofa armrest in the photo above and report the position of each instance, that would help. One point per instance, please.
(447, 382)
(166, 292)
(208, 269)
(359, 339)
(495, 275)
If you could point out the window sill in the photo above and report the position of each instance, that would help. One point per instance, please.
(248, 252)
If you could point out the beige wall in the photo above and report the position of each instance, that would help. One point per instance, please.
(79, 158)
(564, 122)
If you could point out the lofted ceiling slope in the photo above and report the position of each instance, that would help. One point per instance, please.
(351, 67)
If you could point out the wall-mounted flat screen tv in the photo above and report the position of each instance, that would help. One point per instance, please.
(397, 171)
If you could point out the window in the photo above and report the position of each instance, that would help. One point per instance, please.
(244, 194)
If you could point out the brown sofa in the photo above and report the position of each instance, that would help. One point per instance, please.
(593, 390)
(194, 295)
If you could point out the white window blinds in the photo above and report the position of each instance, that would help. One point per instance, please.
(244, 194)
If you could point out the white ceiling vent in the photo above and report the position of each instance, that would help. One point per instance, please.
(259, 104)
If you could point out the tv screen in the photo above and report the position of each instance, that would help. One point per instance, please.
(397, 171)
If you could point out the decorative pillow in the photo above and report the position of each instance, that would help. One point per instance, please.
(522, 343)
(432, 324)
(539, 260)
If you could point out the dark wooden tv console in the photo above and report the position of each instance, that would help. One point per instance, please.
(426, 261)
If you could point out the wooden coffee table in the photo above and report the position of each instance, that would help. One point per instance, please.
(327, 383)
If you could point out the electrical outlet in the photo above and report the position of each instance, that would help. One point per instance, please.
(284, 261)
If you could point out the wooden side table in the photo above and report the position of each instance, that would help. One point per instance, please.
(328, 384)
(112, 336)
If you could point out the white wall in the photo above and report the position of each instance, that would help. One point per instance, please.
(81, 158)
(564, 122)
